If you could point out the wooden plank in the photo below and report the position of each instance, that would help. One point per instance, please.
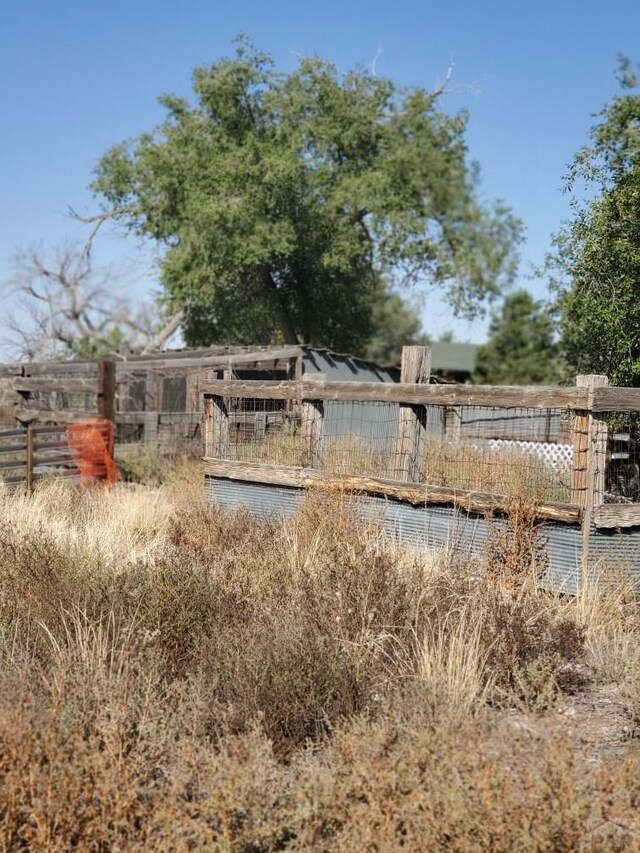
(411, 440)
(388, 392)
(208, 426)
(220, 356)
(284, 475)
(53, 461)
(12, 481)
(11, 433)
(311, 428)
(277, 475)
(598, 456)
(150, 422)
(613, 399)
(617, 515)
(49, 430)
(30, 384)
(30, 460)
(61, 368)
(56, 445)
(7, 370)
(12, 464)
(275, 359)
(46, 417)
(580, 442)
(589, 460)
(453, 424)
(12, 448)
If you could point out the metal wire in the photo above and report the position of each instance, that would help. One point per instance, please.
(473, 448)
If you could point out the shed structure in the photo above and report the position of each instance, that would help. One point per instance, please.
(158, 396)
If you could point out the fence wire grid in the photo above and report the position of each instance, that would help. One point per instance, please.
(622, 469)
(488, 449)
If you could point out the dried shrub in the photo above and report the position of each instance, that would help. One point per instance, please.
(173, 676)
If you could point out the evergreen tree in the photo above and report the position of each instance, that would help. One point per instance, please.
(521, 348)
(596, 264)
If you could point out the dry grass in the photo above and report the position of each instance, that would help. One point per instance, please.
(464, 465)
(176, 677)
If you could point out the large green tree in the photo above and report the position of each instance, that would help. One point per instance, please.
(395, 322)
(280, 200)
(521, 349)
(596, 263)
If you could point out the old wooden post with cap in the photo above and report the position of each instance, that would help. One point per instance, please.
(412, 420)
(589, 462)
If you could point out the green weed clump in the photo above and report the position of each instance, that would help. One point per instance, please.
(173, 676)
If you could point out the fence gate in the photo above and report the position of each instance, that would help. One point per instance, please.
(81, 452)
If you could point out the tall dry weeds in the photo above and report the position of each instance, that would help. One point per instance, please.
(173, 676)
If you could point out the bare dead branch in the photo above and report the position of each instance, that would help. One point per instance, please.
(96, 220)
(63, 302)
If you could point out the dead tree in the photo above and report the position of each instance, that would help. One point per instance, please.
(65, 305)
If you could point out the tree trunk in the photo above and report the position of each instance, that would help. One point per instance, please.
(284, 318)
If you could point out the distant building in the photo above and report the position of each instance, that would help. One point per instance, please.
(452, 361)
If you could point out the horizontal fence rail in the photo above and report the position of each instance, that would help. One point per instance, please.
(403, 393)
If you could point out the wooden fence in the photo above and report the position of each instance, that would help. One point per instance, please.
(33, 452)
(28, 453)
(57, 393)
(587, 409)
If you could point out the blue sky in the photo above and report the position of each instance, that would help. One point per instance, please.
(77, 76)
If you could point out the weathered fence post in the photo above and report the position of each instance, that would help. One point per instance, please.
(107, 390)
(412, 420)
(589, 449)
(312, 426)
(216, 427)
(30, 458)
(589, 462)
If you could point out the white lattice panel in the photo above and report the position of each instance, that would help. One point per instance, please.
(557, 456)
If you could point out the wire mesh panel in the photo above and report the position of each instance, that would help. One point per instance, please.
(489, 449)
(622, 467)
(505, 451)
(359, 438)
(268, 432)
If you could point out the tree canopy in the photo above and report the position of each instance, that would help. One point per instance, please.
(281, 199)
(596, 263)
(395, 323)
(521, 348)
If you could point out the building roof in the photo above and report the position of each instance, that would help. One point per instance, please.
(453, 356)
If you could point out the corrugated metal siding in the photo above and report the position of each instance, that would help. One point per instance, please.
(262, 500)
(615, 549)
(447, 527)
(562, 544)
(432, 526)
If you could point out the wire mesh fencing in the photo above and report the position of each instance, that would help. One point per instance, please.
(622, 465)
(488, 449)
